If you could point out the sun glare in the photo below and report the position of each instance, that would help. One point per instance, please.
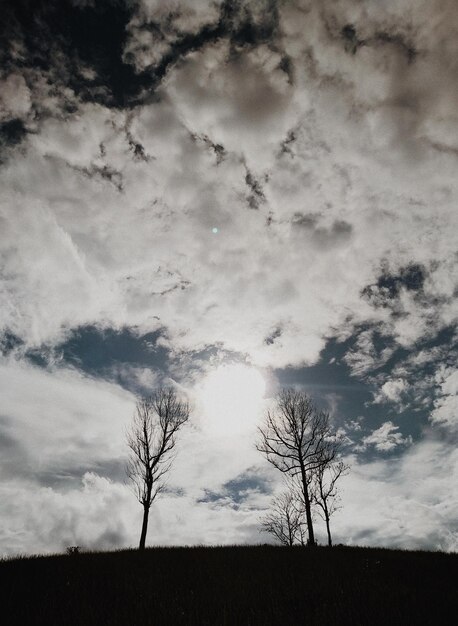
(232, 398)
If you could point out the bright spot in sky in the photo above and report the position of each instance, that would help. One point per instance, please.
(232, 399)
(214, 230)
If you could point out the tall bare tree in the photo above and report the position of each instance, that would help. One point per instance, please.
(285, 520)
(324, 491)
(297, 439)
(151, 439)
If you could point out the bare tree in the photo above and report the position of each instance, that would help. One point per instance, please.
(151, 439)
(324, 491)
(285, 521)
(297, 439)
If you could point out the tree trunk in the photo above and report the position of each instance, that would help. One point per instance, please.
(308, 512)
(141, 545)
(328, 529)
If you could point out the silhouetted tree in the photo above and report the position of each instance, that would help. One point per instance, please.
(151, 439)
(324, 490)
(285, 521)
(297, 439)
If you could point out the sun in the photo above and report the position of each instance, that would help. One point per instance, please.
(232, 398)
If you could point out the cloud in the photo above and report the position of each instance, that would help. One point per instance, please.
(15, 98)
(241, 102)
(385, 438)
(99, 514)
(391, 391)
(328, 210)
(71, 491)
(63, 455)
(406, 503)
(95, 515)
(410, 502)
(445, 412)
(364, 356)
(61, 422)
(155, 28)
(249, 178)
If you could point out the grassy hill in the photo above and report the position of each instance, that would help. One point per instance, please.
(232, 585)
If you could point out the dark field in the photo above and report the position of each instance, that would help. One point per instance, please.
(232, 585)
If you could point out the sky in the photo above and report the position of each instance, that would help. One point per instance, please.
(228, 197)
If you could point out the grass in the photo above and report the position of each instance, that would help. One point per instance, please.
(232, 585)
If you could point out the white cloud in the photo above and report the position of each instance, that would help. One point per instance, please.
(101, 514)
(14, 97)
(146, 46)
(315, 177)
(63, 426)
(84, 252)
(94, 515)
(364, 357)
(246, 103)
(63, 453)
(354, 425)
(184, 15)
(445, 412)
(60, 422)
(391, 391)
(386, 438)
(409, 503)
